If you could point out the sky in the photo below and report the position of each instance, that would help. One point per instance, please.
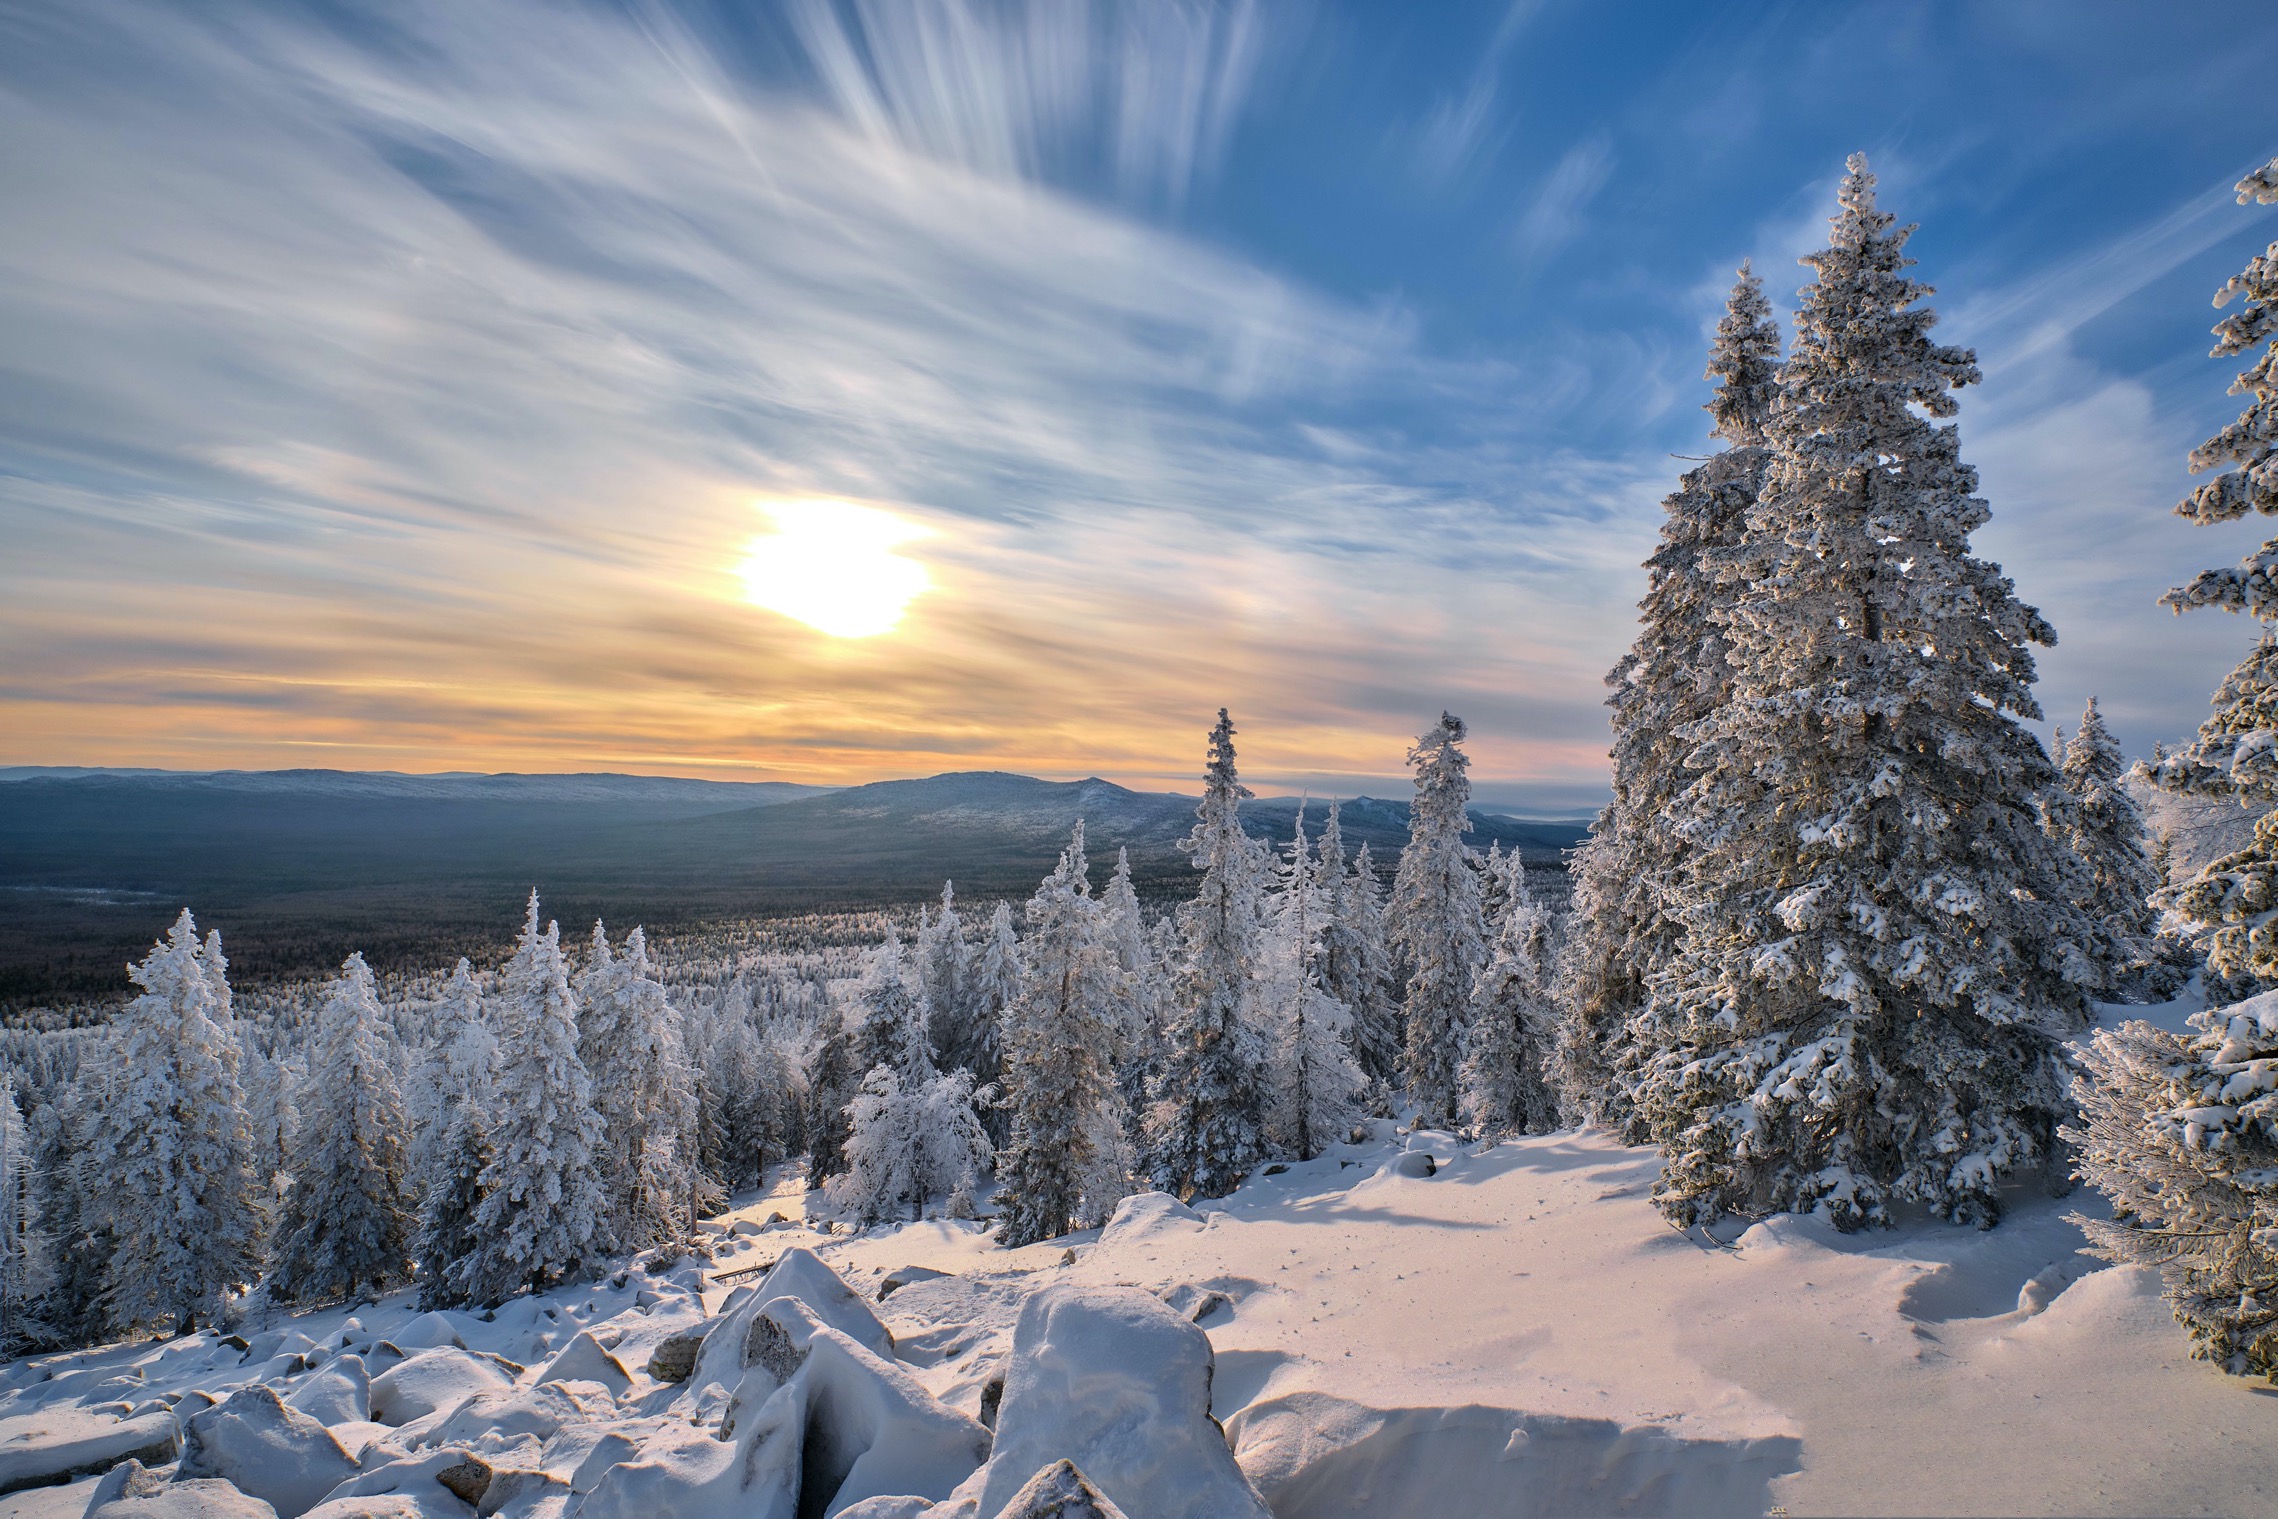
(837, 391)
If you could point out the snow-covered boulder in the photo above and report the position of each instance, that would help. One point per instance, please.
(904, 1276)
(429, 1331)
(1111, 1379)
(58, 1444)
(583, 1360)
(339, 1393)
(872, 1429)
(490, 1420)
(742, 1331)
(675, 1356)
(687, 1473)
(1060, 1491)
(127, 1491)
(275, 1453)
(431, 1381)
(411, 1488)
(1148, 1215)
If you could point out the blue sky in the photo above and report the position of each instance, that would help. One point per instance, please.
(402, 386)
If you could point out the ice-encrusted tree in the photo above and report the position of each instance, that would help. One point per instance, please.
(889, 1024)
(452, 1171)
(2181, 1133)
(2107, 832)
(1068, 1162)
(72, 1209)
(1675, 673)
(22, 1246)
(2236, 751)
(1435, 927)
(944, 960)
(541, 1197)
(174, 1149)
(990, 987)
(346, 1227)
(913, 1137)
(1355, 966)
(1514, 1018)
(629, 1038)
(1313, 1084)
(1880, 942)
(1205, 1124)
(1139, 1019)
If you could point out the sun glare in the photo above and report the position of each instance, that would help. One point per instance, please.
(832, 566)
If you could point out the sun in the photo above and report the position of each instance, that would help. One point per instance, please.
(832, 566)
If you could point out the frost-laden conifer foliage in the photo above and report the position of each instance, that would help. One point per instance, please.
(630, 1033)
(179, 1201)
(22, 1254)
(541, 1197)
(1879, 934)
(1355, 962)
(1068, 1163)
(2107, 832)
(348, 1221)
(2181, 1133)
(1675, 674)
(1435, 923)
(1206, 1122)
(457, 1157)
(1314, 1086)
(1514, 1021)
(2236, 751)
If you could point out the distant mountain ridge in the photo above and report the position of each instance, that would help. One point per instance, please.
(298, 867)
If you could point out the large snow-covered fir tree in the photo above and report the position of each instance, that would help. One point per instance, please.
(347, 1223)
(541, 1196)
(630, 1034)
(1514, 1020)
(2236, 751)
(912, 1137)
(2107, 832)
(888, 1025)
(1435, 927)
(1139, 999)
(1205, 1122)
(1620, 934)
(1355, 964)
(2181, 1133)
(1068, 1162)
(179, 1197)
(944, 958)
(454, 1161)
(1313, 1084)
(991, 984)
(1880, 943)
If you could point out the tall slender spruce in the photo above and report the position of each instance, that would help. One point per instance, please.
(2107, 832)
(1435, 923)
(1205, 1123)
(451, 1190)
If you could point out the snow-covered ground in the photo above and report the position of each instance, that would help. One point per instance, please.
(1516, 1332)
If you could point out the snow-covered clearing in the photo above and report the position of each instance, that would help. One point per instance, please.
(1515, 1333)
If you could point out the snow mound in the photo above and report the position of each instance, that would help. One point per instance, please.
(1148, 1215)
(407, 1489)
(871, 1430)
(1111, 1379)
(430, 1331)
(687, 1473)
(273, 1452)
(491, 1421)
(61, 1443)
(432, 1381)
(583, 1360)
(127, 1491)
(1320, 1457)
(339, 1393)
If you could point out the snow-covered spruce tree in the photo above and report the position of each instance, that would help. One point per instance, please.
(2181, 1133)
(1068, 1163)
(541, 1199)
(1313, 1085)
(1620, 934)
(22, 1253)
(1514, 1020)
(629, 1038)
(1354, 967)
(1435, 923)
(1205, 1123)
(272, 1117)
(944, 958)
(174, 1150)
(1880, 942)
(2236, 751)
(908, 1143)
(990, 988)
(2107, 832)
(889, 1024)
(451, 1175)
(1139, 999)
(347, 1222)
(72, 1210)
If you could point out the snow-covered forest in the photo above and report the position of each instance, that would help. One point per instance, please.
(1850, 942)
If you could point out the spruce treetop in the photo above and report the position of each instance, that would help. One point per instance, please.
(1745, 363)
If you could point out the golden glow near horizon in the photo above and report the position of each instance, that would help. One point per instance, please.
(832, 566)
